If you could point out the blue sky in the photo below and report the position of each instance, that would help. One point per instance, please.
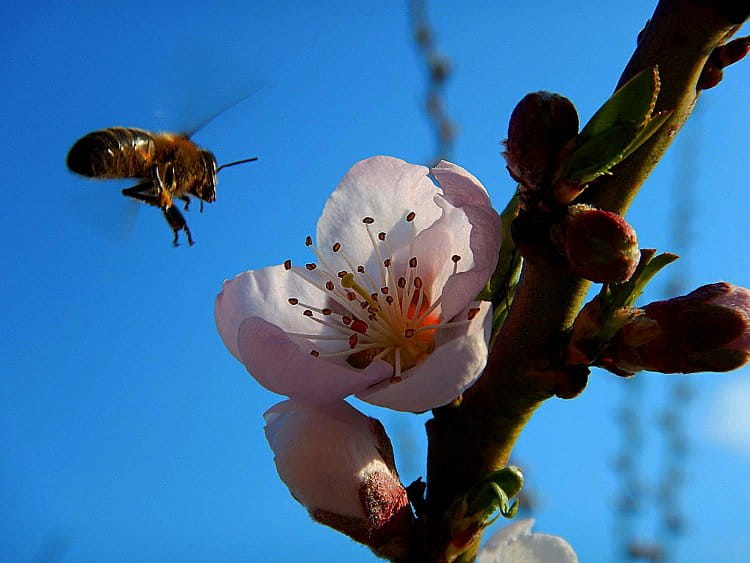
(128, 431)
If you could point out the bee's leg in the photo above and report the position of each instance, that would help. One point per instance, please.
(186, 199)
(201, 209)
(177, 222)
(143, 192)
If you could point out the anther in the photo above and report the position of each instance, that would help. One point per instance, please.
(387, 262)
(329, 285)
(311, 266)
(368, 220)
(287, 264)
(384, 290)
(418, 282)
(472, 313)
(336, 246)
(326, 311)
(308, 313)
(413, 262)
(359, 326)
(314, 353)
(389, 300)
(353, 340)
(455, 258)
(342, 273)
(351, 296)
(402, 282)
(410, 216)
(293, 300)
(308, 240)
(395, 379)
(409, 332)
(346, 320)
(361, 269)
(381, 236)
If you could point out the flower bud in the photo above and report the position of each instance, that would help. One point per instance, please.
(339, 464)
(540, 125)
(705, 330)
(600, 245)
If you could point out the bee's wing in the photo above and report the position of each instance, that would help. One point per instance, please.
(101, 208)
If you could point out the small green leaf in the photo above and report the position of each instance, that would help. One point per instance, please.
(501, 287)
(624, 295)
(618, 128)
(633, 102)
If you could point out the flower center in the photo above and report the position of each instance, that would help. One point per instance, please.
(385, 315)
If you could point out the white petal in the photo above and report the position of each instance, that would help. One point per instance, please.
(452, 368)
(283, 366)
(516, 544)
(434, 248)
(265, 293)
(383, 188)
(462, 190)
(323, 454)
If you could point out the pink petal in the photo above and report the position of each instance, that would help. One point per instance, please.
(516, 544)
(452, 368)
(462, 190)
(383, 188)
(265, 293)
(323, 453)
(285, 366)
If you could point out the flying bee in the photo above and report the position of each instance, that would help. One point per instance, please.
(171, 167)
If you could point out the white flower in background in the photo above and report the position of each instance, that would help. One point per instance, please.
(339, 464)
(387, 311)
(516, 544)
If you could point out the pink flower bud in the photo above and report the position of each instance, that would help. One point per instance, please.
(540, 125)
(705, 330)
(600, 246)
(339, 464)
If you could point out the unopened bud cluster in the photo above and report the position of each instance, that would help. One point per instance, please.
(594, 244)
(705, 330)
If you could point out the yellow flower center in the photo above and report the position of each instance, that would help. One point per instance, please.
(392, 319)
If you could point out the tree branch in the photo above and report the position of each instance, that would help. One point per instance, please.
(474, 437)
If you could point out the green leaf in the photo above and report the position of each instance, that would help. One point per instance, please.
(501, 287)
(624, 295)
(619, 127)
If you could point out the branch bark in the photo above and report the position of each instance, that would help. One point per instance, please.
(469, 439)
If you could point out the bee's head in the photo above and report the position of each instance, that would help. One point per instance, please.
(206, 190)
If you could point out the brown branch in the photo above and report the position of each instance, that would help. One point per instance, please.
(469, 439)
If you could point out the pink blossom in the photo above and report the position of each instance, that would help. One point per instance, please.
(517, 544)
(387, 310)
(338, 463)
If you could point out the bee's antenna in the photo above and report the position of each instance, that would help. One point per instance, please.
(236, 162)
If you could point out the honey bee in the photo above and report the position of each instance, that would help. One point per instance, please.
(170, 165)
